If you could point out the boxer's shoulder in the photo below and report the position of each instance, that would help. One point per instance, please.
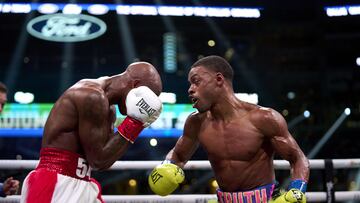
(193, 123)
(263, 114)
(87, 86)
(267, 120)
(197, 117)
(86, 92)
(84, 99)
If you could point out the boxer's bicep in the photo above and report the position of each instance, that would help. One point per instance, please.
(275, 128)
(286, 146)
(93, 128)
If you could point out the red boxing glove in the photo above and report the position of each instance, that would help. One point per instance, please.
(130, 129)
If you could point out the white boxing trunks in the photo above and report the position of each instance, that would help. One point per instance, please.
(61, 176)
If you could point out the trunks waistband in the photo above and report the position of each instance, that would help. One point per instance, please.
(261, 194)
(64, 162)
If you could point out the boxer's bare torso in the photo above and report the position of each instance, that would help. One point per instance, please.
(63, 124)
(240, 154)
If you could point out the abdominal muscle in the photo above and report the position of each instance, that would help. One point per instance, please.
(233, 176)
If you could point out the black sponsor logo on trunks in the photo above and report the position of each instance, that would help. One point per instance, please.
(155, 176)
(145, 107)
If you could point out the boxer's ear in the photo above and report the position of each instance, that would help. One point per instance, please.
(219, 78)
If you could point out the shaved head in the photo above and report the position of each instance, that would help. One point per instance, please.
(145, 74)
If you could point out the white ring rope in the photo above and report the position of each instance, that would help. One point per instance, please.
(126, 165)
(200, 198)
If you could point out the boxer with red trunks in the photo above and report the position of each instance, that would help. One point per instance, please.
(79, 133)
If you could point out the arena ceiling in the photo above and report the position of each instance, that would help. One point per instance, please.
(291, 47)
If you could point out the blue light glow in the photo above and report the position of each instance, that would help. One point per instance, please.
(123, 9)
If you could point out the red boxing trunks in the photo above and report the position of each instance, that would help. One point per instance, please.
(61, 176)
(260, 194)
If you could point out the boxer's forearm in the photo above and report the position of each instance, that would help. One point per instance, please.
(182, 152)
(113, 150)
(300, 168)
(175, 159)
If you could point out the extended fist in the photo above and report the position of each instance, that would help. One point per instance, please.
(143, 107)
(165, 178)
(293, 195)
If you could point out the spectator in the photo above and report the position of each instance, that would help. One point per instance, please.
(10, 186)
(3, 91)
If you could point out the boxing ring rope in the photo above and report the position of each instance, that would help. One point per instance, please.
(191, 165)
(198, 165)
(200, 198)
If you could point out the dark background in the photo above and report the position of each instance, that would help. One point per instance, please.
(293, 47)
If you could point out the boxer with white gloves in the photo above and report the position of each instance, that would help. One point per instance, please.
(143, 108)
(79, 133)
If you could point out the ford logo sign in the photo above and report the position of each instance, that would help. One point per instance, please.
(66, 27)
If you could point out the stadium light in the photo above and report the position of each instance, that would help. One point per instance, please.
(336, 11)
(307, 114)
(72, 9)
(153, 142)
(48, 8)
(24, 97)
(168, 97)
(347, 111)
(354, 10)
(143, 10)
(15, 8)
(342, 10)
(123, 10)
(246, 13)
(218, 12)
(211, 43)
(291, 95)
(251, 98)
(98, 9)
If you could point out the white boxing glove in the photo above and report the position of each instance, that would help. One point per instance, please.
(143, 107)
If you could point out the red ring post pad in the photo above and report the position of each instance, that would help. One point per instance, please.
(130, 129)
